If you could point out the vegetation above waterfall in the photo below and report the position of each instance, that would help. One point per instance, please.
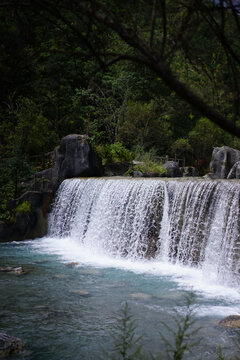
(61, 73)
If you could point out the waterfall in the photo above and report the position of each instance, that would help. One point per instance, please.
(188, 222)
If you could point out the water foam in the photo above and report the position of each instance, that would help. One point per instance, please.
(182, 277)
(185, 230)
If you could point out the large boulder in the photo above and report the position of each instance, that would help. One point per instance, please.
(73, 158)
(28, 224)
(234, 173)
(173, 169)
(9, 344)
(223, 159)
(76, 158)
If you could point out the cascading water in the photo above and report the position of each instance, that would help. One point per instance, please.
(187, 222)
(147, 242)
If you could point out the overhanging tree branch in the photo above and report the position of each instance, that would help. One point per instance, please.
(151, 59)
(145, 54)
(42, 4)
(153, 22)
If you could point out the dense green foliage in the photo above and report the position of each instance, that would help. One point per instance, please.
(55, 81)
(113, 153)
(23, 208)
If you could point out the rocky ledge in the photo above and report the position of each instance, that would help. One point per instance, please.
(73, 158)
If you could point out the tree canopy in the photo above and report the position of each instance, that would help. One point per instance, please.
(157, 76)
(200, 35)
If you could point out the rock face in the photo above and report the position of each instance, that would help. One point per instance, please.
(232, 321)
(173, 169)
(189, 171)
(74, 158)
(234, 173)
(223, 159)
(28, 225)
(9, 344)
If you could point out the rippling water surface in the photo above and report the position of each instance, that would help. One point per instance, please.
(66, 311)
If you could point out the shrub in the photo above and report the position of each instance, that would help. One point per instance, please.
(149, 163)
(183, 332)
(126, 344)
(150, 167)
(182, 148)
(113, 153)
(23, 208)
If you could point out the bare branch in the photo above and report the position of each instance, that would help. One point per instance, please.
(164, 20)
(121, 57)
(180, 33)
(153, 22)
(219, 32)
(235, 11)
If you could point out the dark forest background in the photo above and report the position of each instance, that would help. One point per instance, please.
(82, 67)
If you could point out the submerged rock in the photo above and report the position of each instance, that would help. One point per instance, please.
(9, 344)
(12, 270)
(44, 312)
(61, 276)
(140, 295)
(232, 321)
(79, 292)
(52, 314)
(90, 272)
(17, 271)
(72, 264)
